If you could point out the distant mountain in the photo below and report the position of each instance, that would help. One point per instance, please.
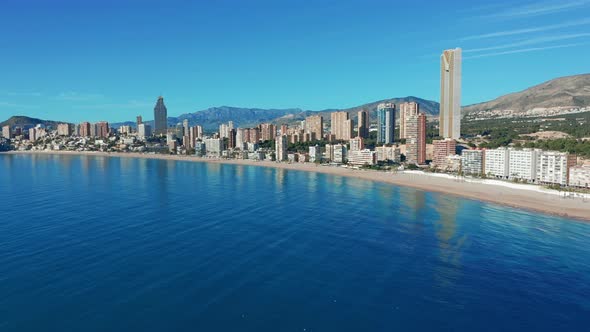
(570, 91)
(211, 118)
(27, 122)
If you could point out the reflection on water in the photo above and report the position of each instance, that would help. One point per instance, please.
(450, 244)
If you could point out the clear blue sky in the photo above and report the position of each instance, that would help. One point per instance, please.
(109, 60)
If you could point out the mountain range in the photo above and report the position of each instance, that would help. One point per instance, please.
(570, 91)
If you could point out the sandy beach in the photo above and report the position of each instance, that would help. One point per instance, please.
(523, 197)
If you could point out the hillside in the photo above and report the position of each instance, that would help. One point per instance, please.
(563, 92)
(25, 122)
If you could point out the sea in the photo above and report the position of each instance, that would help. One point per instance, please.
(97, 243)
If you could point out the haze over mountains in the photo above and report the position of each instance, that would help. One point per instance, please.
(570, 91)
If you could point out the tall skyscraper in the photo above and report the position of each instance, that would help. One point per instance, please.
(314, 126)
(185, 128)
(450, 94)
(363, 124)
(102, 129)
(385, 123)
(406, 110)
(416, 139)
(341, 125)
(281, 148)
(139, 120)
(160, 117)
(85, 129)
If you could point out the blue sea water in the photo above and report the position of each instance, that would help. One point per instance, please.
(121, 244)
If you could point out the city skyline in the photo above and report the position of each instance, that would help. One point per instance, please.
(324, 72)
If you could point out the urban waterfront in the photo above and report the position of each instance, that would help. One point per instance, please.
(98, 243)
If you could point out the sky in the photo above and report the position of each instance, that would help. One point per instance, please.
(90, 60)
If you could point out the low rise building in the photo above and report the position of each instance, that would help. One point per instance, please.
(388, 153)
(472, 162)
(580, 176)
(364, 157)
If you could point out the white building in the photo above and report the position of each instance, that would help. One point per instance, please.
(356, 144)
(144, 130)
(340, 153)
(385, 153)
(453, 163)
(522, 164)
(580, 176)
(496, 163)
(214, 146)
(553, 167)
(472, 161)
(315, 153)
(362, 157)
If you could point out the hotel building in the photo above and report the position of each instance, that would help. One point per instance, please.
(385, 123)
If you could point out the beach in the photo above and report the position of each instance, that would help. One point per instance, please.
(528, 197)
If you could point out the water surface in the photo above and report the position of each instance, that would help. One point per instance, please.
(92, 243)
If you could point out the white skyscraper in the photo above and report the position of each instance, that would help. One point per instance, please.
(450, 94)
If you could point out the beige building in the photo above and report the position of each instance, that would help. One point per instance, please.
(362, 157)
(416, 139)
(356, 144)
(281, 148)
(580, 176)
(553, 167)
(363, 124)
(388, 153)
(450, 94)
(64, 129)
(341, 125)
(406, 110)
(314, 126)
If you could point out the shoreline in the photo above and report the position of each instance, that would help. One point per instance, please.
(506, 194)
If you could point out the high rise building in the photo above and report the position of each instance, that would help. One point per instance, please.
(214, 146)
(281, 148)
(385, 123)
(315, 153)
(496, 163)
(32, 134)
(442, 149)
(102, 129)
(160, 117)
(416, 139)
(85, 129)
(340, 153)
(139, 120)
(64, 129)
(144, 130)
(553, 167)
(284, 129)
(450, 94)
(268, 131)
(314, 126)
(363, 124)
(341, 125)
(6, 132)
(406, 110)
(522, 164)
(388, 153)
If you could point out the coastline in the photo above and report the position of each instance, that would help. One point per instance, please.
(534, 199)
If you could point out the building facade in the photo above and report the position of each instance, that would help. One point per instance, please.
(497, 163)
(442, 149)
(580, 176)
(416, 139)
(406, 110)
(385, 123)
(450, 94)
(364, 157)
(473, 162)
(553, 167)
(363, 124)
(160, 117)
(341, 125)
(314, 126)
(281, 148)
